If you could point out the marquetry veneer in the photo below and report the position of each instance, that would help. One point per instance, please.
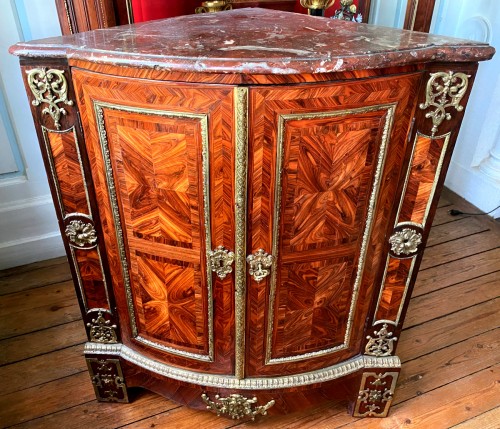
(247, 219)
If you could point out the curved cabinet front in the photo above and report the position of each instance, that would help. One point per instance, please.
(317, 162)
(328, 160)
(245, 222)
(163, 168)
(251, 234)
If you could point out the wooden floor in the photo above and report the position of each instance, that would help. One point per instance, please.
(449, 348)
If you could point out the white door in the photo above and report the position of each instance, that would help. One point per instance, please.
(28, 225)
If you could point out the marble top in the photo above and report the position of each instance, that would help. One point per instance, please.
(254, 40)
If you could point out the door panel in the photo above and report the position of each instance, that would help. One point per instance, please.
(325, 157)
(159, 166)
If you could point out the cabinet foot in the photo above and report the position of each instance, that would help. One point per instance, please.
(107, 378)
(375, 394)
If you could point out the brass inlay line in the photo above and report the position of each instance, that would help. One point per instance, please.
(99, 107)
(254, 383)
(130, 11)
(438, 172)
(66, 8)
(240, 211)
(53, 172)
(52, 166)
(422, 225)
(390, 109)
(446, 138)
(79, 278)
(156, 345)
(407, 284)
(414, 14)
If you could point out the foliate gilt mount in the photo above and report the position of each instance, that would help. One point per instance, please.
(444, 90)
(236, 406)
(101, 330)
(376, 396)
(382, 345)
(260, 263)
(51, 87)
(107, 378)
(220, 261)
(405, 241)
(81, 234)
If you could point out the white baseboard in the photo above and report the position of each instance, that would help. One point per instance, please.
(32, 249)
(475, 187)
(28, 232)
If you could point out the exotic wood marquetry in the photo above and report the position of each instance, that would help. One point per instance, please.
(66, 165)
(245, 221)
(326, 175)
(158, 167)
(72, 194)
(395, 283)
(421, 181)
(420, 184)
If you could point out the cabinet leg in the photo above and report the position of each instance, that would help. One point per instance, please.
(375, 395)
(107, 378)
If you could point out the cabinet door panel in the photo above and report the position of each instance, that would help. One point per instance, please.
(165, 207)
(328, 182)
(157, 165)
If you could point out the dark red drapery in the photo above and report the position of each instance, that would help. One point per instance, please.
(147, 10)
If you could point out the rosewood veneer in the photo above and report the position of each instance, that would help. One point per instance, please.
(245, 198)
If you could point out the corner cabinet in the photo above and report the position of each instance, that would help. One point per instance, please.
(244, 241)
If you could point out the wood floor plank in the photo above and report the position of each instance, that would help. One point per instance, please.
(312, 419)
(487, 420)
(442, 216)
(458, 271)
(37, 343)
(444, 201)
(447, 365)
(455, 230)
(182, 418)
(454, 328)
(42, 369)
(449, 339)
(45, 399)
(29, 299)
(419, 378)
(443, 407)
(57, 273)
(41, 318)
(38, 309)
(103, 415)
(437, 304)
(457, 249)
(16, 271)
(459, 203)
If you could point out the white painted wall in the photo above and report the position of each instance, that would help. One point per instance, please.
(388, 13)
(474, 172)
(28, 225)
(475, 167)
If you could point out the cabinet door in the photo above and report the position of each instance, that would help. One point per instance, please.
(324, 169)
(162, 163)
